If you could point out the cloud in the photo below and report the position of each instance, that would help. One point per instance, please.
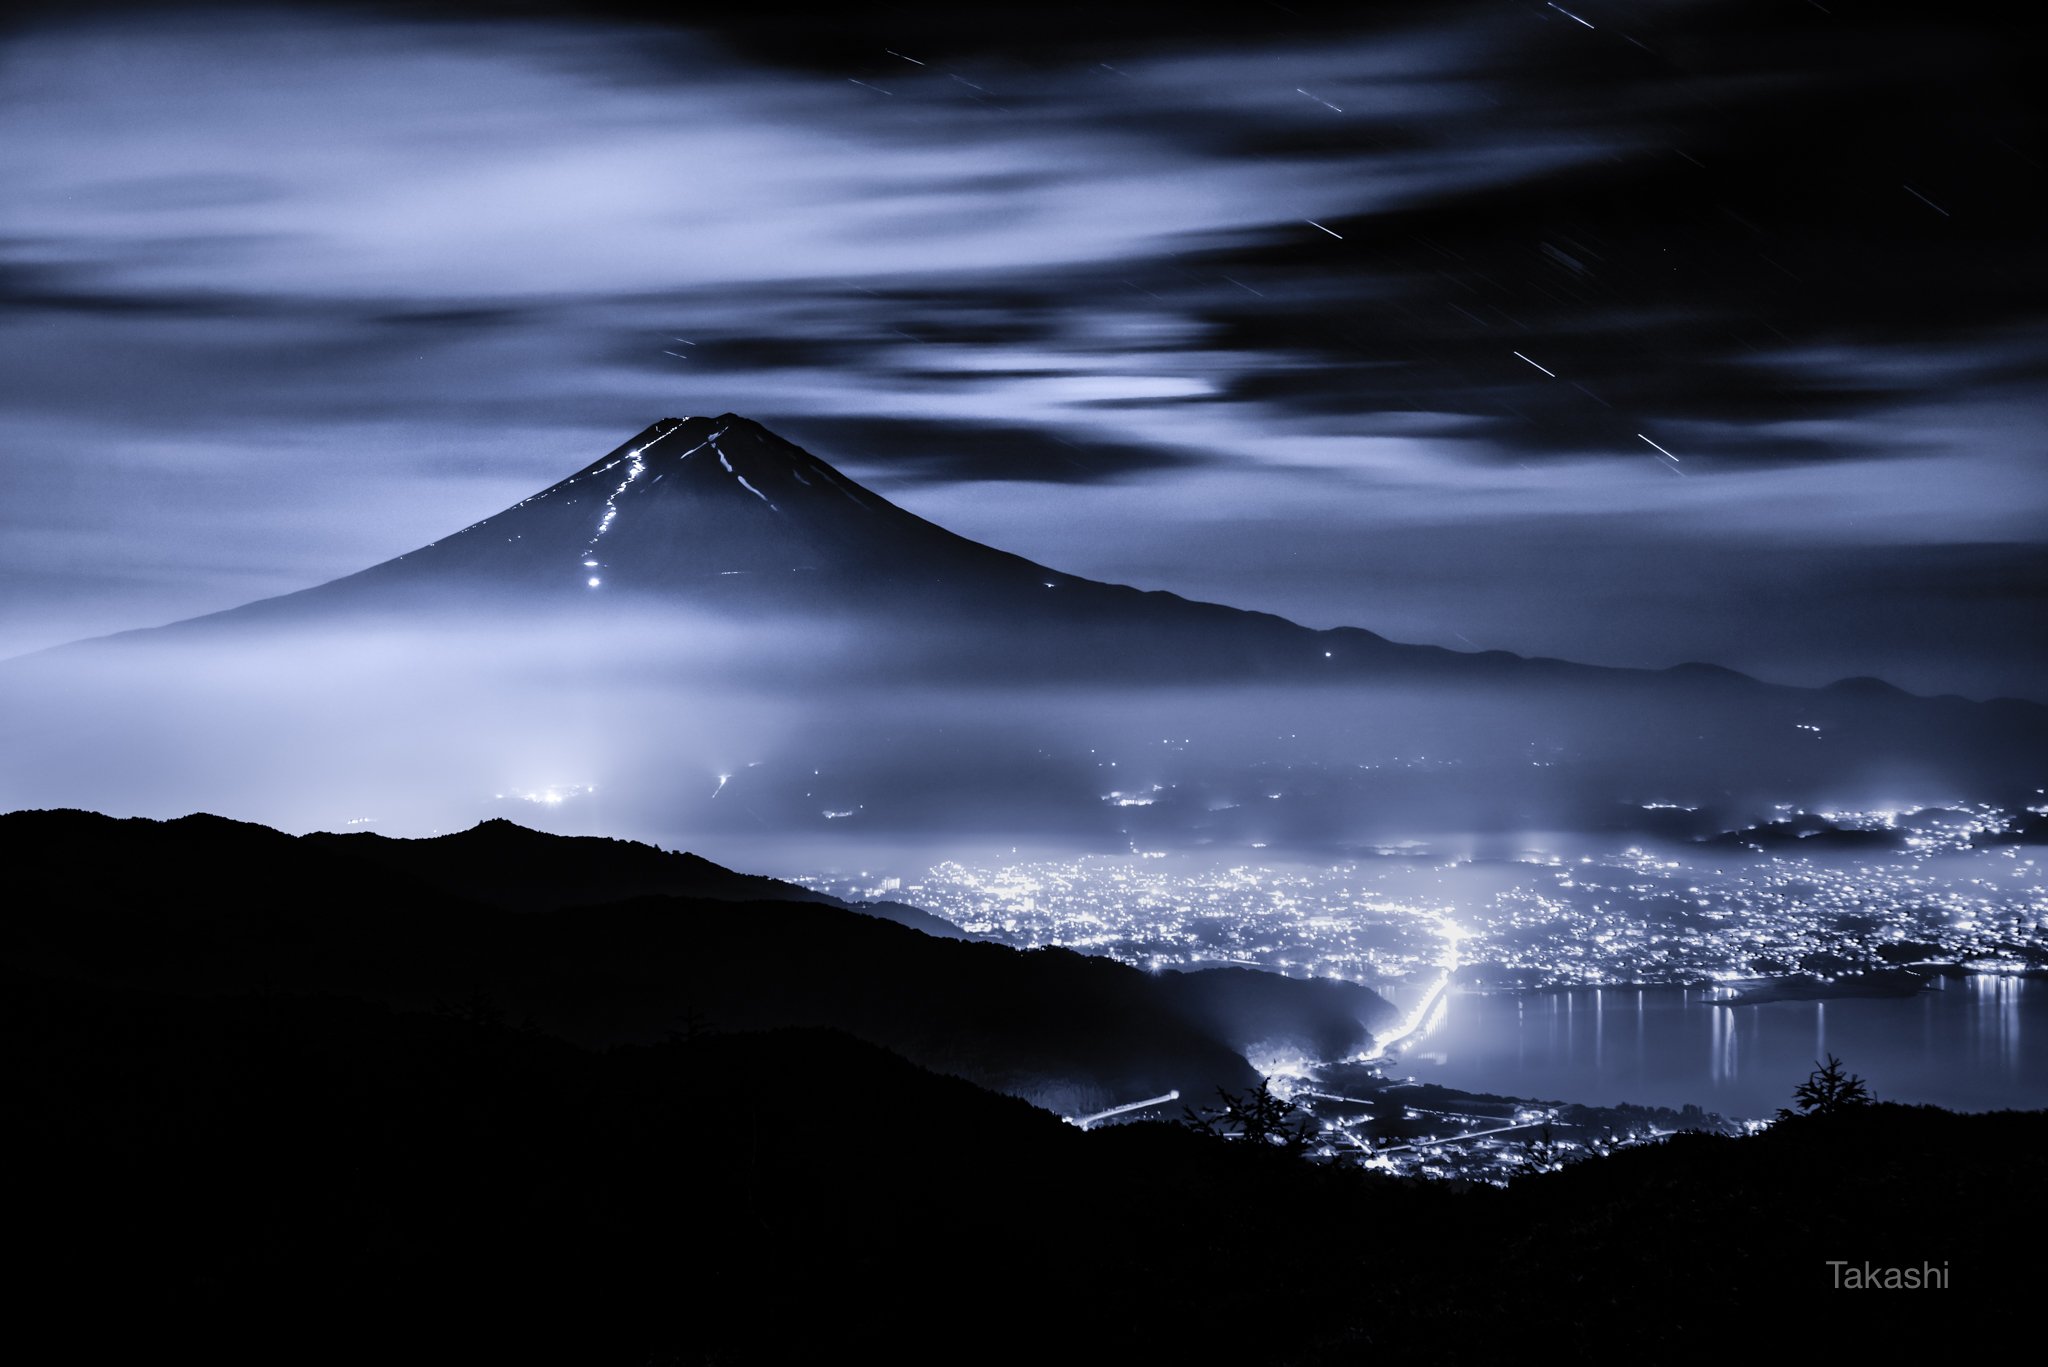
(1370, 270)
(891, 452)
(533, 160)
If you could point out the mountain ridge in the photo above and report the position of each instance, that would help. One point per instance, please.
(518, 868)
(428, 926)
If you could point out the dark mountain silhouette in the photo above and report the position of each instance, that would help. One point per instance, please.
(503, 864)
(1275, 1016)
(321, 1180)
(207, 906)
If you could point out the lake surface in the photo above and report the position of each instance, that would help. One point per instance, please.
(1976, 1044)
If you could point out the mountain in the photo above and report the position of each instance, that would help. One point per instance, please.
(701, 507)
(505, 865)
(505, 923)
(708, 603)
(705, 508)
(722, 514)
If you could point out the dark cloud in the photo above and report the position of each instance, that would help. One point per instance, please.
(29, 284)
(496, 316)
(820, 36)
(896, 452)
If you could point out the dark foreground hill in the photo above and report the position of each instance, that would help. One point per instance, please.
(503, 864)
(272, 1102)
(307, 1179)
(496, 922)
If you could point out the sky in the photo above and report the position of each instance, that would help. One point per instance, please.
(1630, 333)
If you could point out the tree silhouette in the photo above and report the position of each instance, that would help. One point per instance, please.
(1542, 1153)
(1828, 1089)
(1258, 1117)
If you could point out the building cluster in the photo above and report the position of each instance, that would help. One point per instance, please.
(1673, 914)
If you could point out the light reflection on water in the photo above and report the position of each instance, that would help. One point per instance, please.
(1964, 1045)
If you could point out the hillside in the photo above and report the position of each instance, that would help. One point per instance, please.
(204, 906)
(309, 1179)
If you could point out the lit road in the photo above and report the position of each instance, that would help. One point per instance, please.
(1429, 1011)
(1084, 1121)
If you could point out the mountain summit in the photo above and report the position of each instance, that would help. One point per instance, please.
(683, 504)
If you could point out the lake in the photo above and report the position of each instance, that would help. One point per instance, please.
(1972, 1044)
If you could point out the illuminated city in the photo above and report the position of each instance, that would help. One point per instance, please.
(1947, 898)
(1640, 915)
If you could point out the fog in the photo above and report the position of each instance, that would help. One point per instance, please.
(812, 733)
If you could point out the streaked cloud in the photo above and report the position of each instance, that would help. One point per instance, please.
(287, 291)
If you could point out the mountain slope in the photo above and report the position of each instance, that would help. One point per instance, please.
(315, 1180)
(203, 906)
(683, 505)
(503, 864)
(721, 512)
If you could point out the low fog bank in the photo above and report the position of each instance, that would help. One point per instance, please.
(701, 730)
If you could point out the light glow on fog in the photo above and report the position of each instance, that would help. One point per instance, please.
(1430, 1009)
(550, 795)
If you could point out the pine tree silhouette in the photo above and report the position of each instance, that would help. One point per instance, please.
(1828, 1089)
(1542, 1153)
(1258, 1116)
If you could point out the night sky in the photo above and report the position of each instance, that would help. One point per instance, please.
(1633, 333)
